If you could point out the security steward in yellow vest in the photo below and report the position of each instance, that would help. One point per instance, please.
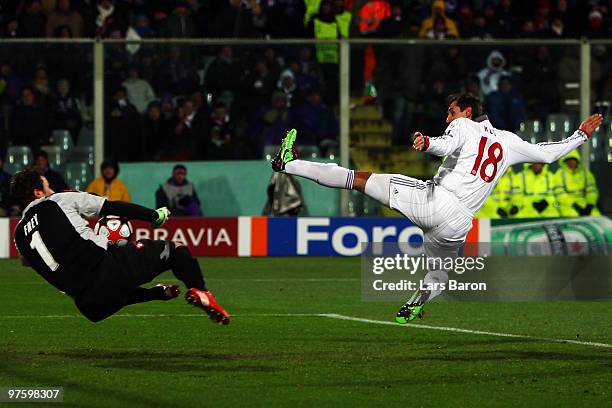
(535, 198)
(328, 25)
(575, 188)
(498, 204)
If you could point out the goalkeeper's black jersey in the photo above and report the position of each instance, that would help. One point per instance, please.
(57, 242)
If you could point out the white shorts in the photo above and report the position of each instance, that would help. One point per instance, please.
(444, 220)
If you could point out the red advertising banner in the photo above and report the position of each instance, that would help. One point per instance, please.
(203, 236)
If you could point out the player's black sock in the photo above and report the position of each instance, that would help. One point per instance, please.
(141, 295)
(186, 268)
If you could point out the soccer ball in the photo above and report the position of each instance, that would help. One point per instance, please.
(118, 230)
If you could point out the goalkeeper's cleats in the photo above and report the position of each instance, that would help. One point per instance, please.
(286, 153)
(162, 216)
(413, 308)
(206, 301)
(169, 291)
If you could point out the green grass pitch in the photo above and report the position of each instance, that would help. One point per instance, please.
(168, 353)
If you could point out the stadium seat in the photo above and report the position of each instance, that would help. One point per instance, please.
(558, 126)
(86, 137)
(531, 130)
(57, 158)
(83, 154)
(18, 158)
(78, 175)
(63, 139)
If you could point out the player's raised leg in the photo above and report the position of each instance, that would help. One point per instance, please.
(330, 174)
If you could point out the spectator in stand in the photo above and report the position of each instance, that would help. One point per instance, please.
(434, 101)
(40, 83)
(284, 18)
(33, 20)
(564, 17)
(507, 20)
(29, 123)
(274, 119)
(596, 27)
(108, 185)
(178, 194)
(13, 28)
(489, 76)
(65, 16)
(395, 26)
(66, 110)
(466, 20)
(175, 76)
(156, 133)
(180, 24)
(5, 190)
(147, 66)
(123, 128)
(481, 28)
(239, 19)
(449, 65)
(139, 91)
(221, 133)
(505, 107)
(189, 133)
(273, 61)
(318, 123)
(438, 9)
(528, 29)
(543, 17)
(258, 83)
(12, 84)
(224, 74)
(56, 181)
(309, 72)
(287, 85)
(439, 31)
(111, 20)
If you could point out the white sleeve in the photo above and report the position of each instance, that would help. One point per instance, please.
(453, 138)
(85, 204)
(522, 151)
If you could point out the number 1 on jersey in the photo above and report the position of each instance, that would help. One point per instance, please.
(38, 244)
(494, 156)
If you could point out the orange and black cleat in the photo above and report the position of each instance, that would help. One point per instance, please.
(206, 301)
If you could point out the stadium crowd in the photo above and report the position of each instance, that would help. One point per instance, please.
(196, 102)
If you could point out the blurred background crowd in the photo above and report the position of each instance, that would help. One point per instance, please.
(174, 102)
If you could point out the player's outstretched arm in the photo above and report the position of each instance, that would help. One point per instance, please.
(452, 139)
(548, 152)
(135, 212)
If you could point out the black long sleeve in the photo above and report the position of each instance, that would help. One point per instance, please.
(129, 210)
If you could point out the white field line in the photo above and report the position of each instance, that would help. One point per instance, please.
(340, 317)
(457, 330)
(239, 279)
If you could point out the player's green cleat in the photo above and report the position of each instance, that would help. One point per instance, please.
(413, 308)
(286, 153)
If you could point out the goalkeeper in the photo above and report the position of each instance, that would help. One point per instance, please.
(54, 239)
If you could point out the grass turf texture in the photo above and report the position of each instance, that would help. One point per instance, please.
(181, 359)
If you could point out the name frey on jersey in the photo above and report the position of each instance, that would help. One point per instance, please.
(30, 225)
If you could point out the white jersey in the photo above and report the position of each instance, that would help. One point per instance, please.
(477, 156)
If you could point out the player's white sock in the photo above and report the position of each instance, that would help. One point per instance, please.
(433, 279)
(327, 174)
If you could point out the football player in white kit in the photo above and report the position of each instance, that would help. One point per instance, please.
(476, 157)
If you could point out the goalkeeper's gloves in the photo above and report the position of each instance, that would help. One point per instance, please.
(587, 210)
(578, 208)
(162, 216)
(540, 205)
